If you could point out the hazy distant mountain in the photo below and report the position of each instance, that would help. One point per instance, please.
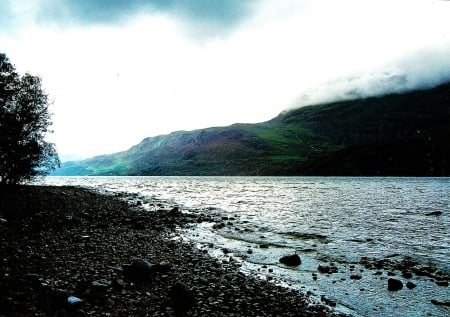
(397, 134)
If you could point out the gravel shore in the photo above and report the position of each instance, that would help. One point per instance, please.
(67, 251)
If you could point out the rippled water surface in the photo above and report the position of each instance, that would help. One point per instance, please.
(325, 220)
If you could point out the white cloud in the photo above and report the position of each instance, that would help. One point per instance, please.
(115, 85)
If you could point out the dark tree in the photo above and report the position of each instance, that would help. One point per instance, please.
(24, 122)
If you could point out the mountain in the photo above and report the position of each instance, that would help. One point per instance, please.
(404, 134)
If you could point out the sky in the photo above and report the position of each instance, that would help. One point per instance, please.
(118, 71)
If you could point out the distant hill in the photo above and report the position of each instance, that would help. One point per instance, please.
(398, 134)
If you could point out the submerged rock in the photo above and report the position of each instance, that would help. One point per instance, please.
(291, 260)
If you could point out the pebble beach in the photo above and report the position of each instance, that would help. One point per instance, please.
(68, 251)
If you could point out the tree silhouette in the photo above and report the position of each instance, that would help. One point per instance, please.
(24, 122)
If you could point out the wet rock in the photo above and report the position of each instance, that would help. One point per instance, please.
(394, 285)
(328, 301)
(442, 283)
(434, 213)
(138, 270)
(182, 298)
(424, 271)
(410, 285)
(291, 260)
(355, 276)
(176, 211)
(327, 269)
(264, 246)
(218, 226)
(440, 303)
(407, 274)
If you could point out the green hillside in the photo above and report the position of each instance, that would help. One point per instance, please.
(398, 134)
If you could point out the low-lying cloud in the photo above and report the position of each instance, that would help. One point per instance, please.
(422, 70)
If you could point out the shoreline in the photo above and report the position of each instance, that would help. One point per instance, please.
(67, 241)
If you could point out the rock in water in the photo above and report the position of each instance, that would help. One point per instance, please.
(139, 270)
(434, 213)
(291, 260)
(394, 285)
(182, 298)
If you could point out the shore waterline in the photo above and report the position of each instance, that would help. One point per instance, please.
(325, 220)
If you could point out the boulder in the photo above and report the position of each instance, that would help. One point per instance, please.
(138, 270)
(291, 260)
(394, 285)
(181, 297)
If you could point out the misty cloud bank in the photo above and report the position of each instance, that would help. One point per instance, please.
(422, 70)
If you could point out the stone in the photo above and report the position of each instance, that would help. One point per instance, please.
(138, 270)
(327, 269)
(410, 285)
(100, 285)
(162, 267)
(176, 211)
(291, 260)
(440, 303)
(218, 226)
(73, 301)
(118, 284)
(355, 276)
(406, 274)
(394, 285)
(182, 298)
(434, 213)
(442, 283)
(328, 301)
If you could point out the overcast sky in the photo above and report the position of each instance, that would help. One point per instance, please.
(122, 70)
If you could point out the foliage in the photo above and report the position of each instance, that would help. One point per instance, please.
(24, 122)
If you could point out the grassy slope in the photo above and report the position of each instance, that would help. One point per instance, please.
(401, 134)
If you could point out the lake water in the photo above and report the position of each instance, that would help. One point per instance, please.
(335, 221)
